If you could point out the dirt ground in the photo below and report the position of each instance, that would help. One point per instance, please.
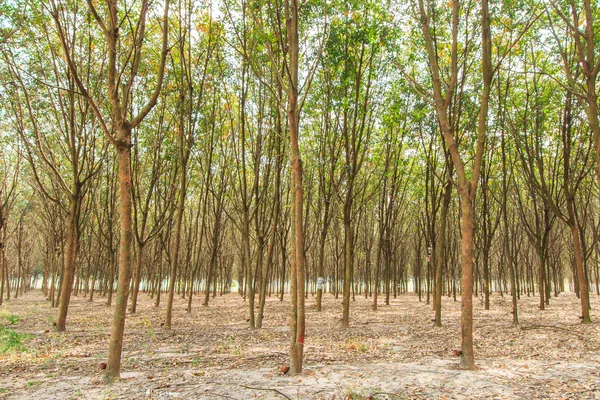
(393, 353)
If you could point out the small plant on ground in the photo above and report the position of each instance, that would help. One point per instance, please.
(11, 340)
(355, 344)
(353, 394)
(151, 334)
(31, 384)
(12, 319)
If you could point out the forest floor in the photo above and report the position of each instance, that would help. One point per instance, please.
(393, 353)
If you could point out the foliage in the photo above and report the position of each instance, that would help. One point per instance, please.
(12, 341)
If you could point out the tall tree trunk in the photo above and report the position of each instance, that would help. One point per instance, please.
(177, 236)
(266, 274)
(137, 275)
(69, 259)
(466, 321)
(321, 268)
(507, 249)
(348, 258)
(249, 272)
(440, 253)
(214, 251)
(125, 251)
(3, 266)
(297, 311)
(378, 267)
(584, 292)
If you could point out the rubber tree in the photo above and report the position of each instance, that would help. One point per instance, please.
(66, 152)
(442, 96)
(569, 164)
(580, 19)
(125, 47)
(281, 21)
(151, 194)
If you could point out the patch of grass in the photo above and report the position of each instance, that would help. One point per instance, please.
(354, 344)
(76, 395)
(108, 395)
(143, 323)
(151, 334)
(218, 348)
(12, 341)
(353, 394)
(12, 319)
(31, 384)
(234, 348)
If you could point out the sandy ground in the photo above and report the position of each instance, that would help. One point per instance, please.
(393, 353)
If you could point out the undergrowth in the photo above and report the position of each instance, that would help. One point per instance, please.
(10, 340)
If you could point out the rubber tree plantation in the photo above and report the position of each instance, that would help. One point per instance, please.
(299, 199)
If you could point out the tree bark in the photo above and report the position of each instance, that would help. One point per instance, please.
(125, 251)
(440, 253)
(466, 320)
(348, 258)
(70, 259)
(176, 241)
(137, 275)
(297, 310)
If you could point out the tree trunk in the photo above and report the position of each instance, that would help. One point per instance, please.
(584, 293)
(347, 257)
(115, 348)
(321, 265)
(69, 259)
(176, 241)
(440, 253)
(137, 275)
(466, 321)
(214, 249)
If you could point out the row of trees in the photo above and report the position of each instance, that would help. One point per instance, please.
(180, 148)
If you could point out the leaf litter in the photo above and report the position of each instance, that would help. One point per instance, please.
(392, 353)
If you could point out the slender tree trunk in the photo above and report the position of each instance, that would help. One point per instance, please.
(137, 275)
(440, 253)
(115, 348)
(200, 240)
(584, 292)
(542, 277)
(69, 259)
(262, 278)
(297, 310)
(111, 278)
(467, 356)
(2, 269)
(297, 324)
(271, 250)
(93, 285)
(321, 265)
(283, 266)
(3, 265)
(348, 253)
(507, 249)
(249, 272)
(214, 252)
(377, 268)
(176, 240)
